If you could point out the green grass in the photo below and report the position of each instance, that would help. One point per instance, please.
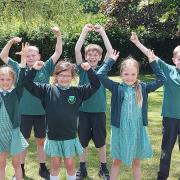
(149, 167)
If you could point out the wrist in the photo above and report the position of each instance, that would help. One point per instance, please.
(11, 41)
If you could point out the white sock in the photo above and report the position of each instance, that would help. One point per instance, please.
(71, 177)
(54, 177)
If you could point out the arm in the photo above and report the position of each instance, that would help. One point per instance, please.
(5, 51)
(23, 53)
(35, 89)
(100, 29)
(58, 48)
(93, 86)
(87, 28)
(134, 39)
(160, 77)
(103, 71)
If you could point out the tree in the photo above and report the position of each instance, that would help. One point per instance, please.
(151, 16)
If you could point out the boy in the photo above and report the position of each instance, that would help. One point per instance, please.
(170, 108)
(92, 117)
(32, 112)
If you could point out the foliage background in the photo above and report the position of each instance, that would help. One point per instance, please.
(155, 21)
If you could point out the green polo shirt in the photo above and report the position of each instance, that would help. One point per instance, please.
(29, 104)
(171, 96)
(97, 102)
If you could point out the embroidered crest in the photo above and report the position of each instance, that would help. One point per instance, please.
(72, 99)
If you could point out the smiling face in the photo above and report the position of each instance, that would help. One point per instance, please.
(93, 57)
(32, 56)
(64, 78)
(7, 78)
(93, 54)
(129, 71)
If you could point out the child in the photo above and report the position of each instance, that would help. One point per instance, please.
(11, 139)
(32, 112)
(61, 103)
(129, 139)
(92, 117)
(170, 108)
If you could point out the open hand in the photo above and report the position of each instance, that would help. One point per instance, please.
(114, 54)
(151, 56)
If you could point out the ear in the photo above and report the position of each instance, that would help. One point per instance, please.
(173, 59)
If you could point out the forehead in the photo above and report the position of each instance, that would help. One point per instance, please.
(130, 69)
(177, 55)
(93, 51)
(68, 71)
(32, 52)
(5, 75)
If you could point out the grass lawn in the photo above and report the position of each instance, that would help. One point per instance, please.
(149, 167)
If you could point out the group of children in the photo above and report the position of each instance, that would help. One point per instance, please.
(70, 116)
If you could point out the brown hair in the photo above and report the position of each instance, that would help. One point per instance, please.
(93, 47)
(8, 70)
(176, 50)
(64, 66)
(131, 61)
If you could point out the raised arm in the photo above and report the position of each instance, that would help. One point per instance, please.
(87, 90)
(78, 55)
(58, 48)
(36, 89)
(23, 54)
(134, 39)
(5, 51)
(103, 71)
(102, 32)
(160, 77)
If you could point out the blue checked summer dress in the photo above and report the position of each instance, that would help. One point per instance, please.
(130, 141)
(11, 140)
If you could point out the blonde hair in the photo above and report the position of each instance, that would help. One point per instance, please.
(93, 47)
(33, 48)
(8, 70)
(176, 50)
(64, 66)
(129, 61)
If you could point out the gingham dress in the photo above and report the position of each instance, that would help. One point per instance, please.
(11, 139)
(130, 141)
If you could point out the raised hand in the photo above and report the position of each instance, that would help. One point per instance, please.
(151, 56)
(38, 65)
(114, 54)
(134, 38)
(16, 40)
(88, 27)
(98, 28)
(56, 30)
(23, 53)
(85, 66)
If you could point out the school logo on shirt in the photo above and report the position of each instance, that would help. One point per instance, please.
(72, 99)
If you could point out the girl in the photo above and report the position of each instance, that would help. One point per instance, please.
(129, 139)
(61, 103)
(11, 138)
